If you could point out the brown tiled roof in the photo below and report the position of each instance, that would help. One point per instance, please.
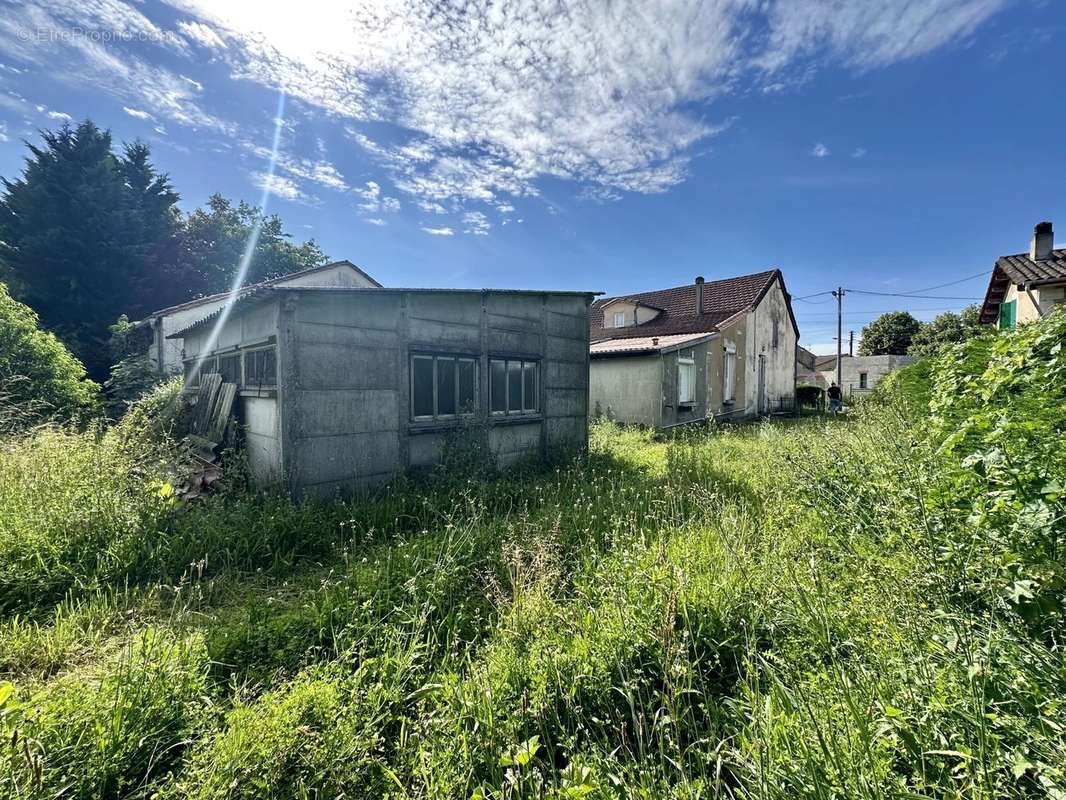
(721, 300)
(1020, 269)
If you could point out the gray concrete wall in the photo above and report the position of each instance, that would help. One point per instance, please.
(166, 354)
(348, 392)
(780, 360)
(736, 334)
(875, 367)
(628, 389)
(260, 412)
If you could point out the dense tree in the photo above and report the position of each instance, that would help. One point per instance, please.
(214, 240)
(890, 333)
(946, 329)
(83, 233)
(38, 375)
(87, 236)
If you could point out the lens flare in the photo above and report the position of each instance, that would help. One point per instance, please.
(249, 246)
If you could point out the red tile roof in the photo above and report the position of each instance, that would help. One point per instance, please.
(721, 300)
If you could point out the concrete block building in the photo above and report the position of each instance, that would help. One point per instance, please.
(342, 388)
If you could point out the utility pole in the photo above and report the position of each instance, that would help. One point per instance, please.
(851, 343)
(839, 295)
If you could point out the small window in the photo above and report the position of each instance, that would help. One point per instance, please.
(442, 386)
(729, 373)
(619, 319)
(686, 378)
(230, 368)
(260, 368)
(513, 386)
(862, 380)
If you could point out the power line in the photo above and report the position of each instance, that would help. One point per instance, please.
(914, 294)
(980, 274)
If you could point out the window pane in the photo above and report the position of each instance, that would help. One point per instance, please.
(445, 386)
(422, 387)
(269, 369)
(514, 385)
(529, 386)
(498, 385)
(230, 367)
(467, 386)
(685, 393)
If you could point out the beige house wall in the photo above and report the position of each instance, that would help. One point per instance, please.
(1046, 297)
(627, 389)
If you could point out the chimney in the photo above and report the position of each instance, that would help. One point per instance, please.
(1043, 242)
(699, 294)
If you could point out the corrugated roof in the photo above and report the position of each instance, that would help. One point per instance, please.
(257, 292)
(721, 300)
(1019, 269)
(199, 301)
(645, 344)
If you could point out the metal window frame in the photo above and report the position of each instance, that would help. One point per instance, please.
(523, 411)
(434, 358)
(248, 384)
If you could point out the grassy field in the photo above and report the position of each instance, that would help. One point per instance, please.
(859, 608)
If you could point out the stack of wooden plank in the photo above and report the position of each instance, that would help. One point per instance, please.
(210, 415)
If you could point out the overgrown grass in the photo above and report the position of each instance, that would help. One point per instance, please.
(823, 609)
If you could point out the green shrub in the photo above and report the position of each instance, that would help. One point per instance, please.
(39, 378)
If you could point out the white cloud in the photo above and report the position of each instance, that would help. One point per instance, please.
(319, 171)
(820, 150)
(493, 97)
(438, 231)
(84, 44)
(375, 221)
(868, 33)
(3, 132)
(278, 185)
(60, 116)
(476, 223)
(858, 152)
(201, 34)
(137, 113)
(499, 95)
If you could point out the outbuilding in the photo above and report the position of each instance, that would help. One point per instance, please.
(340, 388)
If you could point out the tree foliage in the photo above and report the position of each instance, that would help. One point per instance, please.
(37, 373)
(946, 329)
(214, 239)
(889, 334)
(87, 236)
(84, 233)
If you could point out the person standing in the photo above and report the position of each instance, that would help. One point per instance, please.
(836, 399)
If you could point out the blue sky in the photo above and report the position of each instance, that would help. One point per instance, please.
(885, 145)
